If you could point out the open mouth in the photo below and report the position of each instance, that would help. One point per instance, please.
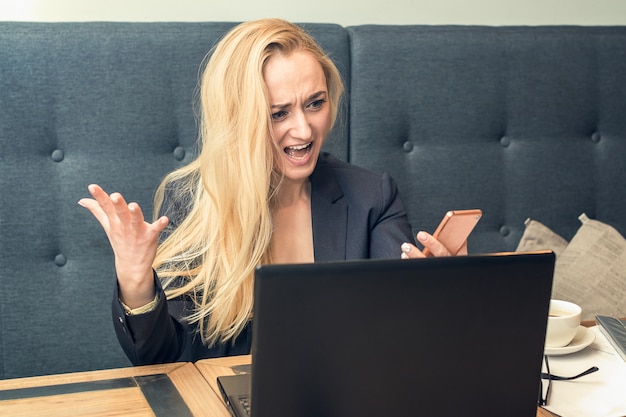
(299, 151)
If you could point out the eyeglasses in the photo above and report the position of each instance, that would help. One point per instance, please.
(543, 400)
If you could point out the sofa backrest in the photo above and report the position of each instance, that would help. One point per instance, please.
(81, 103)
(518, 121)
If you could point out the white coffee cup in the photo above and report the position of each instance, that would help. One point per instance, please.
(563, 322)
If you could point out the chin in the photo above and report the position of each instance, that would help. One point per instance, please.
(299, 170)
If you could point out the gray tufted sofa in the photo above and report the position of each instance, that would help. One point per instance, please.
(518, 121)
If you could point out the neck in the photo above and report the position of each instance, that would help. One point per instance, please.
(291, 192)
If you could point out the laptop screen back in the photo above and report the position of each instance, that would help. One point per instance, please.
(454, 336)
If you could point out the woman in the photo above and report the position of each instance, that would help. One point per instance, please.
(260, 191)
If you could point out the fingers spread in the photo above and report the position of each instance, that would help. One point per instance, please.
(161, 223)
(136, 215)
(121, 208)
(95, 209)
(111, 210)
(117, 217)
(102, 198)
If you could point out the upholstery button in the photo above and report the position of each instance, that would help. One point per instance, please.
(595, 137)
(179, 153)
(60, 260)
(57, 155)
(407, 146)
(504, 231)
(505, 141)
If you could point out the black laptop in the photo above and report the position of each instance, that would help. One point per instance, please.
(436, 337)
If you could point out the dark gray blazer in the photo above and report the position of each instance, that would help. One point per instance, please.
(357, 214)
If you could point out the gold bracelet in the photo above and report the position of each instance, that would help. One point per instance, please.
(143, 309)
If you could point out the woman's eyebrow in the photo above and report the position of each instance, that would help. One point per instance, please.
(280, 106)
(315, 96)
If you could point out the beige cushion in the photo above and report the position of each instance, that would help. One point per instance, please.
(590, 270)
(539, 237)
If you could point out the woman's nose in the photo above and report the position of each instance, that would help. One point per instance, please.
(301, 128)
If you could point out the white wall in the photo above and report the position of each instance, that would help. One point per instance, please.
(345, 12)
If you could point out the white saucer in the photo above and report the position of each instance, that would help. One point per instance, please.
(584, 337)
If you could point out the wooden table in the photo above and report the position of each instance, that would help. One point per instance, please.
(212, 368)
(176, 389)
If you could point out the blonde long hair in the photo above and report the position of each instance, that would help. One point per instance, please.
(212, 254)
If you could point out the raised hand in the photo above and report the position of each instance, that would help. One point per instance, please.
(134, 242)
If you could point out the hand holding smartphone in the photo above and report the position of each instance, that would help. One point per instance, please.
(455, 228)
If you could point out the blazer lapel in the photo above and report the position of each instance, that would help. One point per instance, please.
(330, 214)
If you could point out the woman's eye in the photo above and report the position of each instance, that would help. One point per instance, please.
(317, 104)
(279, 115)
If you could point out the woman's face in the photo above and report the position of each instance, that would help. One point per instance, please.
(300, 111)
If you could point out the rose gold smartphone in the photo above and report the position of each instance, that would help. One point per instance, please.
(455, 228)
